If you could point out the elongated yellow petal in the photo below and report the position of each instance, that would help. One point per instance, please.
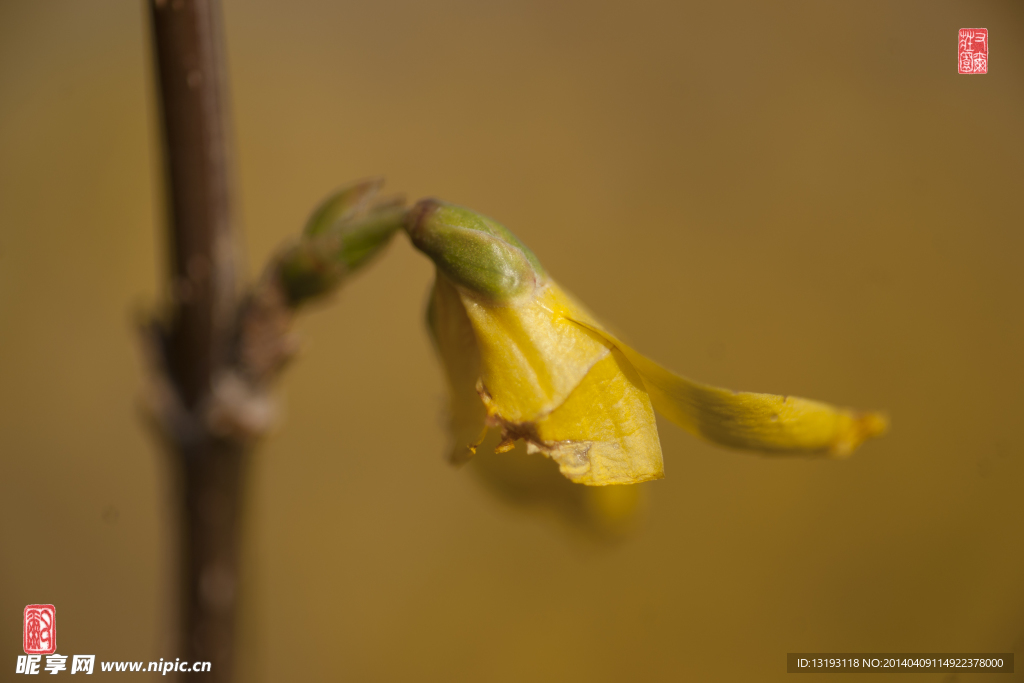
(456, 344)
(605, 431)
(763, 422)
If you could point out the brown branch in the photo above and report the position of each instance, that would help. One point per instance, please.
(187, 39)
(194, 344)
(214, 356)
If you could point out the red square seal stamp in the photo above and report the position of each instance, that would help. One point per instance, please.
(40, 631)
(972, 51)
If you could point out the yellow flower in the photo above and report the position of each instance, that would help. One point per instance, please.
(523, 357)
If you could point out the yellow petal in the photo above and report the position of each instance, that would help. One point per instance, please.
(531, 355)
(563, 389)
(456, 344)
(763, 422)
(605, 431)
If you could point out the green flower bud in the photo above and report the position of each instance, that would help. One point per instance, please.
(473, 251)
(343, 234)
(342, 206)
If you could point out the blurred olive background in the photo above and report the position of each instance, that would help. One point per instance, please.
(804, 199)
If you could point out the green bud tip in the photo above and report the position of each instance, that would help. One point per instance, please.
(345, 232)
(343, 205)
(474, 252)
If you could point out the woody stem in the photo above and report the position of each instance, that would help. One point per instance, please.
(196, 339)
